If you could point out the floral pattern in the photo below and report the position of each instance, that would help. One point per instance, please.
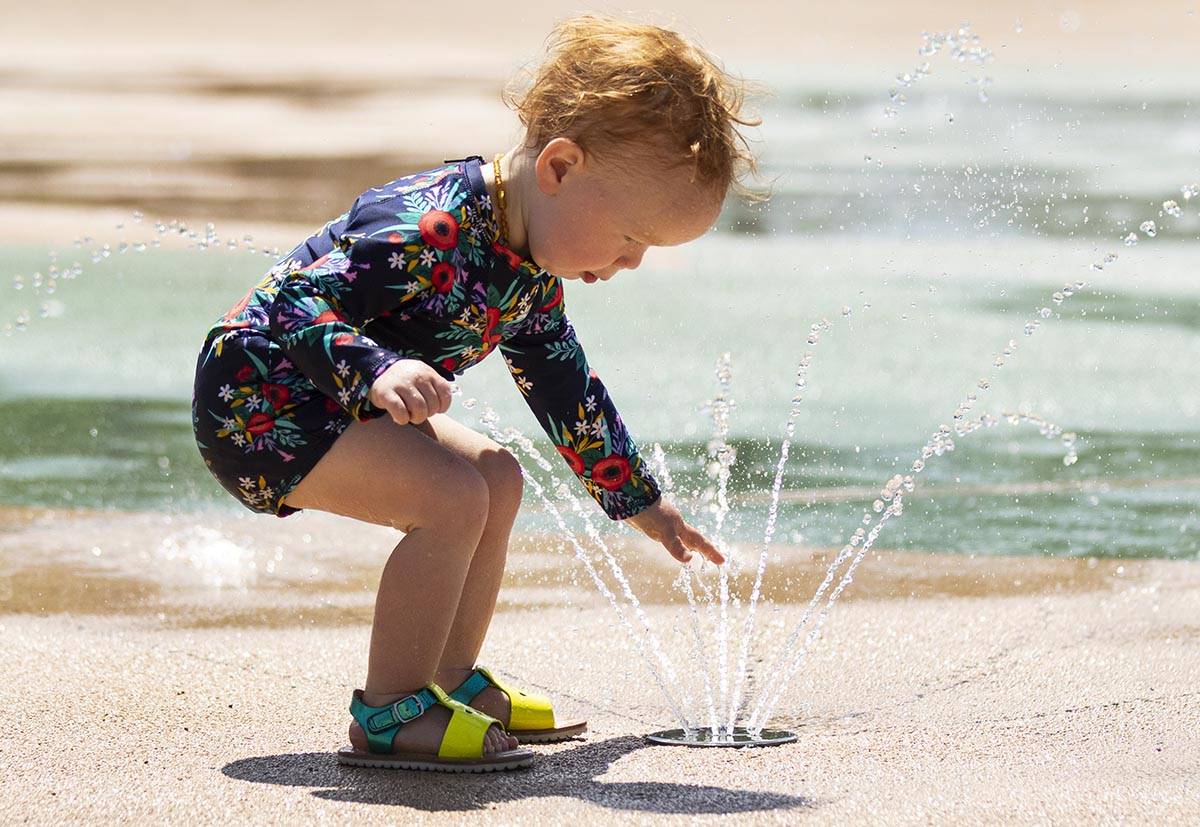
(414, 270)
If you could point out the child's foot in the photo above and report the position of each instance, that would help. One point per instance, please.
(491, 701)
(423, 735)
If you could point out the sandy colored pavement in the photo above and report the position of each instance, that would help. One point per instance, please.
(270, 117)
(1066, 700)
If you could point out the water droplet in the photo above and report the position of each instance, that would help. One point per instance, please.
(1149, 228)
(137, 216)
(813, 339)
(877, 505)
(1172, 209)
(18, 283)
(1189, 191)
(983, 384)
(1045, 312)
(1030, 328)
(1057, 298)
(1018, 26)
(918, 466)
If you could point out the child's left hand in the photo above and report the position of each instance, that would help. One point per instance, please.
(662, 522)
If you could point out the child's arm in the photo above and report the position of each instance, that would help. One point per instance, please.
(572, 405)
(574, 408)
(318, 314)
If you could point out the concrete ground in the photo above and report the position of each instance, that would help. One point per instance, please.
(1064, 700)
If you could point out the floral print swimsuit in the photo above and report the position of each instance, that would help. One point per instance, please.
(415, 270)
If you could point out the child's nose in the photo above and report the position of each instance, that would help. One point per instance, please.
(631, 262)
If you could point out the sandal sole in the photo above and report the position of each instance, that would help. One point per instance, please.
(549, 736)
(353, 758)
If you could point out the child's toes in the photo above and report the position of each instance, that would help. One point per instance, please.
(358, 738)
(496, 740)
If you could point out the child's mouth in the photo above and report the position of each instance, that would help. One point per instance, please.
(589, 278)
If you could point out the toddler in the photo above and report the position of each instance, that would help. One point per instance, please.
(327, 386)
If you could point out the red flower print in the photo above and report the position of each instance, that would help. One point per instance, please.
(395, 238)
(555, 300)
(448, 363)
(245, 373)
(612, 472)
(514, 260)
(343, 339)
(442, 277)
(329, 316)
(490, 336)
(277, 395)
(260, 423)
(573, 459)
(493, 318)
(331, 405)
(439, 229)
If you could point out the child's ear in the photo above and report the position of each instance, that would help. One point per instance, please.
(558, 159)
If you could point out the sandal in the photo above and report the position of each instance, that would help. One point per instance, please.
(461, 749)
(531, 718)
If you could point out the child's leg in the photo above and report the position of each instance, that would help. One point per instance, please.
(395, 475)
(505, 485)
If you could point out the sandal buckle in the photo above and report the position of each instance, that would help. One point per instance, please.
(407, 708)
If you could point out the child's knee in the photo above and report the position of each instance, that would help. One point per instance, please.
(460, 500)
(505, 482)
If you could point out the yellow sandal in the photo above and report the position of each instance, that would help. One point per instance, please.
(531, 719)
(461, 749)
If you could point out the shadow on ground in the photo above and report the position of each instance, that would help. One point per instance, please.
(570, 774)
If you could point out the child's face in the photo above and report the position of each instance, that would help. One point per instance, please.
(590, 219)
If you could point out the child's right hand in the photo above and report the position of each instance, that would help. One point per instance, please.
(411, 391)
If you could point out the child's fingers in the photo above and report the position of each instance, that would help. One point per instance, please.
(395, 406)
(694, 539)
(444, 393)
(429, 393)
(677, 549)
(415, 402)
(390, 402)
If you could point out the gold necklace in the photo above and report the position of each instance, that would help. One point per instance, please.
(500, 201)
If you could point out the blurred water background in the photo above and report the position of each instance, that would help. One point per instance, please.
(928, 239)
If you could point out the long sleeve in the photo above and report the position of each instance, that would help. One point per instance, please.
(319, 313)
(572, 405)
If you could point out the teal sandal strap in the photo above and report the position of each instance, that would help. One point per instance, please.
(472, 686)
(381, 723)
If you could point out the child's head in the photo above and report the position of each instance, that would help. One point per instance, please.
(631, 133)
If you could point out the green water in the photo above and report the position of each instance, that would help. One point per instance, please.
(941, 255)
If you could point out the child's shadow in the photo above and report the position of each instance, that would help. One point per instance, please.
(570, 773)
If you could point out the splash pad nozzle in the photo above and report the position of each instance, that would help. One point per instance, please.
(737, 737)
